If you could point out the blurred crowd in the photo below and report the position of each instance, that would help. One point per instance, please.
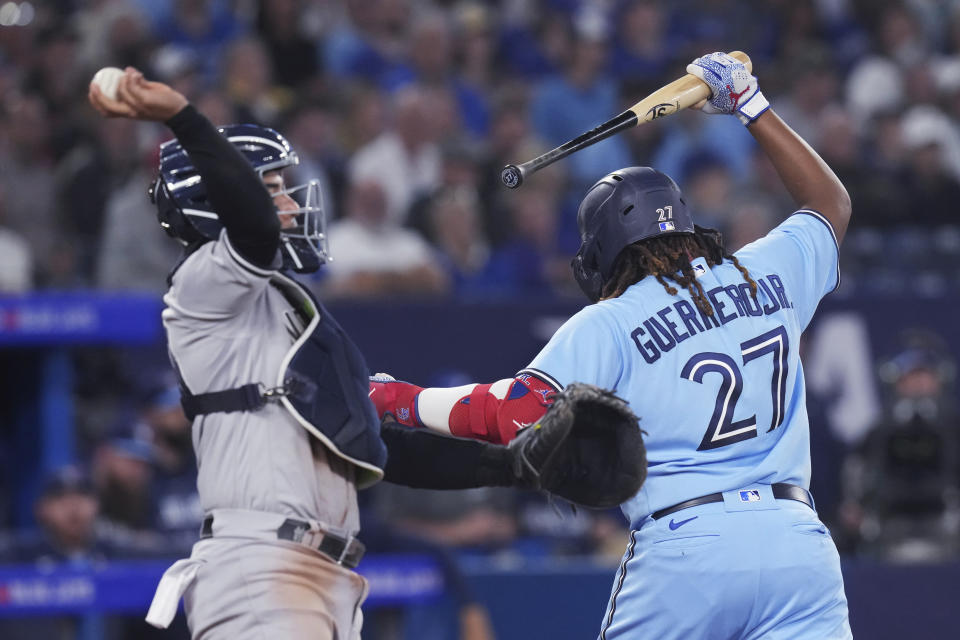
(406, 110)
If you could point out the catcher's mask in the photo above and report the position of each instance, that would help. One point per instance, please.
(185, 212)
(623, 207)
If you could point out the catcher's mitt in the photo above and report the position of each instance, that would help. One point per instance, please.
(587, 449)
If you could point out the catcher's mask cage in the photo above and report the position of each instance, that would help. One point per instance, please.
(186, 214)
(623, 207)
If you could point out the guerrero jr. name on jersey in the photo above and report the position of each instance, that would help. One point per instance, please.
(661, 332)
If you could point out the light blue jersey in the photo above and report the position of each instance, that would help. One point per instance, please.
(721, 398)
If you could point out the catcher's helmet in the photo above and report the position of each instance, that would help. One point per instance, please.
(621, 208)
(186, 214)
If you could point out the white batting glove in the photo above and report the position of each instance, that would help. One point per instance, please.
(732, 88)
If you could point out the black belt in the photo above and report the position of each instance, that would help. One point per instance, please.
(346, 552)
(780, 490)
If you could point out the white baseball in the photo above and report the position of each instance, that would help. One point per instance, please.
(107, 80)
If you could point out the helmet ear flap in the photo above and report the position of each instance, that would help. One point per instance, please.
(587, 277)
(169, 215)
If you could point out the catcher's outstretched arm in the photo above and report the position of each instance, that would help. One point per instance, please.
(491, 412)
(586, 448)
(455, 463)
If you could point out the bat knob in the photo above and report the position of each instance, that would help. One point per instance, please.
(511, 176)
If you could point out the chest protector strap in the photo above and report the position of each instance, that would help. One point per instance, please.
(249, 397)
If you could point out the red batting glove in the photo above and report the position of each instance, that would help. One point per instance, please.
(398, 399)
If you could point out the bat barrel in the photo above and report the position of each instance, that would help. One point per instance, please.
(512, 175)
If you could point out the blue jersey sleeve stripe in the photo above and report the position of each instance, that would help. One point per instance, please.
(247, 266)
(819, 216)
(546, 377)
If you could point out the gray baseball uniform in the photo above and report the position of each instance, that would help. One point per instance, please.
(228, 326)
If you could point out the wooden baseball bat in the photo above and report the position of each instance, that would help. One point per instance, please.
(681, 93)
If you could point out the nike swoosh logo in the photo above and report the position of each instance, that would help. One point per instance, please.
(676, 525)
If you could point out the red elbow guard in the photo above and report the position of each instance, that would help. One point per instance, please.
(484, 416)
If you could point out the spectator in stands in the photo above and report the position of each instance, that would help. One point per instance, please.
(66, 512)
(454, 217)
(709, 188)
(475, 31)
(531, 262)
(178, 67)
(203, 26)
(122, 474)
(460, 171)
(217, 106)
(430, 52)
(404, 159)
(930, 183)
(364, 116)
(838, 142)
(479, 519)
(813, 88)
(903, 493)
(125, 168)
(470, 619)
(293, 55)
(174, 489)
(311, 129)
(16, 261)
(113, 33)
(249, 85)
(26, 177)
(641, 49)
(364, 44)
(510, 137)
(539, 39)
(374, 256)
(55, 73)
(589, 96)
(686, 136)
(86, 180)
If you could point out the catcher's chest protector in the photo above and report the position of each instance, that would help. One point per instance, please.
(322, 381)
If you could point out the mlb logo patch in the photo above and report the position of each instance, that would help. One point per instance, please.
(750, 495)
(699, 270)
(667, 226)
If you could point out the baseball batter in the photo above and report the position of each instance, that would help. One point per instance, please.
(282, 428)
(725, 541)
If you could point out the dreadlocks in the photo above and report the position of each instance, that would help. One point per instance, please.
(668, 258)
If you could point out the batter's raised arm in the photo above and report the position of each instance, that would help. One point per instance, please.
(806, 176)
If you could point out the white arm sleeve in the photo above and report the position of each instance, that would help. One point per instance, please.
(434, 404)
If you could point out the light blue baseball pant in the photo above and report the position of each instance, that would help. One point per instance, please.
(730, 570)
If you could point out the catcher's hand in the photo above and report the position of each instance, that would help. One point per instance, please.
(587, 448)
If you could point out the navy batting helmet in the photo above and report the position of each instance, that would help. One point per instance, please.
(185, 212)
(621, 208)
